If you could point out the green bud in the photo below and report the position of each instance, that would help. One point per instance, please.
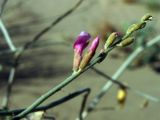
(126, 42)
(135, 27)
(146, 18)
(111, 39)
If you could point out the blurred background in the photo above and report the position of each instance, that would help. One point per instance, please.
(49, 61)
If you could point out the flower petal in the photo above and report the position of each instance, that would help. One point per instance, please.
(94, 44)
(81, 41)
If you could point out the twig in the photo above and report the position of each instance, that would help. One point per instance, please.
(6, 36)
(12, 48)
(8, 40)
(119, 72)
(120, 84)
(59, 19)
(84, 104)
(5, 102)
(3, 6)
(53, 104)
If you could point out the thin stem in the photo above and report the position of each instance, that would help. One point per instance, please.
(107, 77)
(55, 22)
(8, 40)
(120, 84)
(119, 72)
(3, 6)
(6, 36)
(147, 96)
(5, 102)
(53, 104)
(84, 104)
(59, 87)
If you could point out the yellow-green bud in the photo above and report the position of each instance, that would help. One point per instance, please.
(86, 59)
(146, 18)
(126, 42)
(89, 55)
(111, 39)
(135, 27)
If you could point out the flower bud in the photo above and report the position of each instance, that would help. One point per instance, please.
(111, 39)
(79, 45)
(135, 27)
(86, 59)
(146, 18)
(121, 96)
(126, 42)
(81, 42)
(89, 55)
(76, 61)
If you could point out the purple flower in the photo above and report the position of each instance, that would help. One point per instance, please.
(81, 42)
(94, 44)
(79, 45)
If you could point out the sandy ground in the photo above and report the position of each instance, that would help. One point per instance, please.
(56, 63)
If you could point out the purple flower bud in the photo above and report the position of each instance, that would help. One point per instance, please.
(94, 44)
(79, 45)
(89, 55)
(81, 42)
